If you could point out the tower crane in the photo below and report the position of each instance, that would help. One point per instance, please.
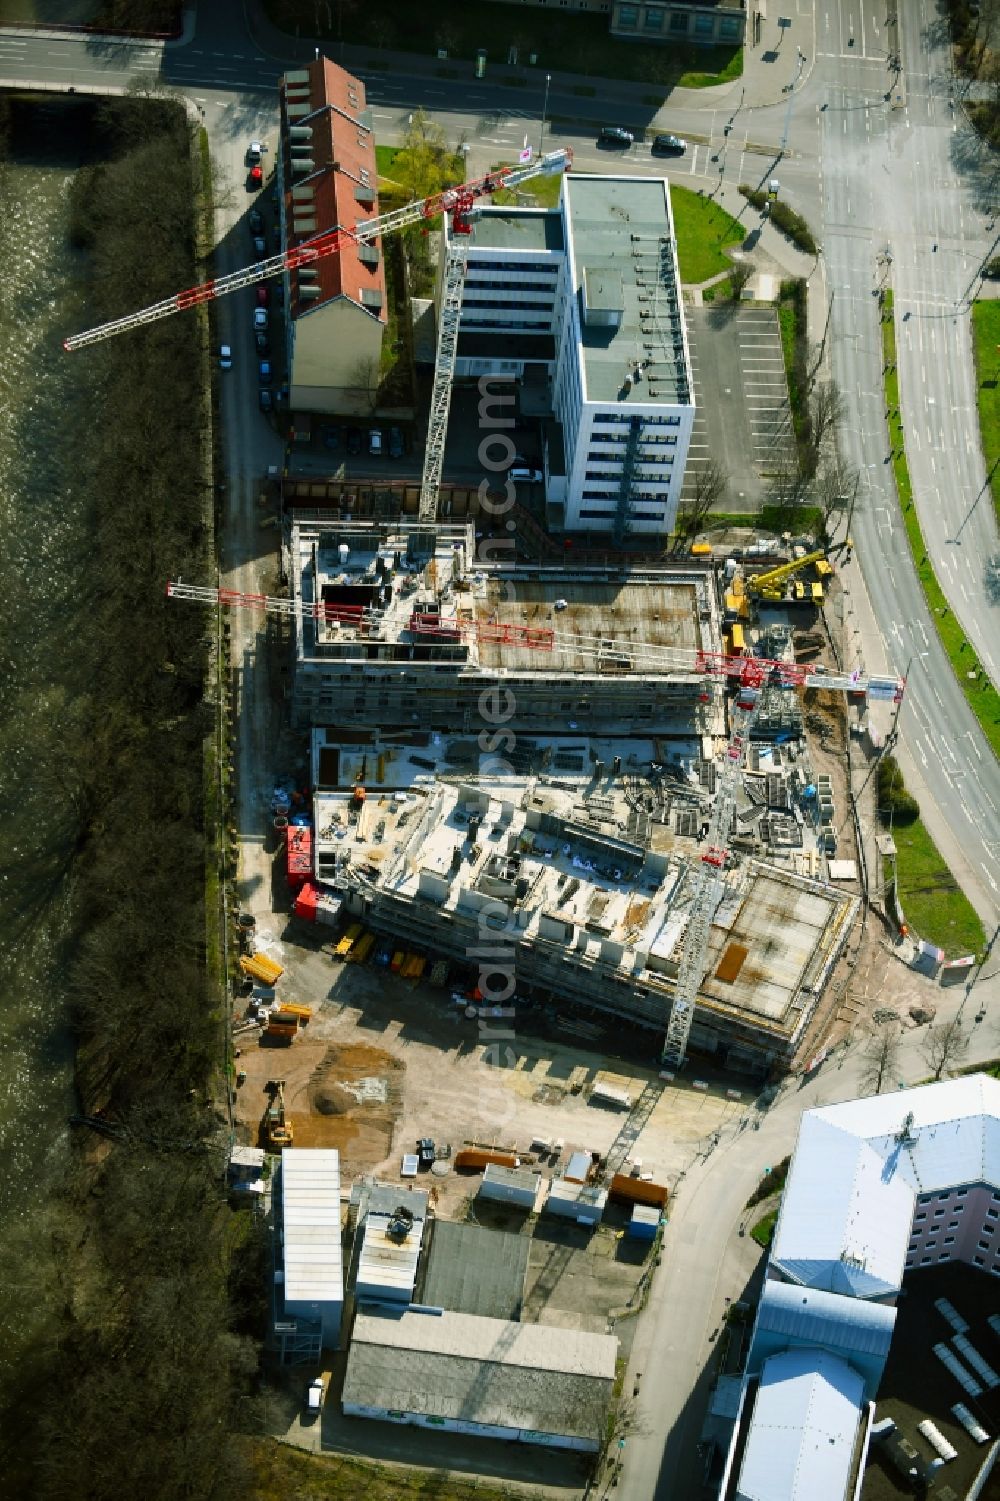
(457, 202)
(749, 674)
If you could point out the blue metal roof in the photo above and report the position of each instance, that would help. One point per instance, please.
(820, 1318)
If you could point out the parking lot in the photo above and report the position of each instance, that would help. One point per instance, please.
(743, 419)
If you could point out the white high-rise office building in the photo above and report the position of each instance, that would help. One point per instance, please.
(581, 305)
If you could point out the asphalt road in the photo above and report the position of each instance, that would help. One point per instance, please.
(885, 183)
(869, 174)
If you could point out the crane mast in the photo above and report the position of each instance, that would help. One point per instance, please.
(457, 202)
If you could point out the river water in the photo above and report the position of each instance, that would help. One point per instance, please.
(43, 589)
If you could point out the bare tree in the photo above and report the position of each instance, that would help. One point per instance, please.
(945, 1044)
(880, 1056)
(710, 485)
(738, 278)
(835, 491)
(789, 487)
(364, 379)
(826, 405)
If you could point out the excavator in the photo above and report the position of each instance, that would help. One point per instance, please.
(278, 1131)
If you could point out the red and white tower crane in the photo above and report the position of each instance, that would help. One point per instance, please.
(459, 203)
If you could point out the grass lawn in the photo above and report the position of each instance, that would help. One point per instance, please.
(543, 192)
(577, 43)
(702, 229)
(933, 904)
(986, 342)
(764, 1229)
(384, 158)
(984, 700)
(282, 1472)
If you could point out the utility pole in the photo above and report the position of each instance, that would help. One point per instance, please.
(545, 110)
(791, 99)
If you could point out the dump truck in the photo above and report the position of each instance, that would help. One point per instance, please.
(475, 1159)
(349, 939)
(637, 1191)
(260, 968)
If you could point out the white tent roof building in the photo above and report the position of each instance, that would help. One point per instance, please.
(876, 1188)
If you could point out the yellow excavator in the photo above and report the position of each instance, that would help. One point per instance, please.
(278, 1131)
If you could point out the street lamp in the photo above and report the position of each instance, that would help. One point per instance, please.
(791, 96)
(545, 110)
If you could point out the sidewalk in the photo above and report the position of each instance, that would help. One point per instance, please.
(763, 83)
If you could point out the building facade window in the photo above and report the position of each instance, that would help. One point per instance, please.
(652, 20)
(628, 15)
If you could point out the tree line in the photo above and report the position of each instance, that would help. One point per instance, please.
(132, 1370)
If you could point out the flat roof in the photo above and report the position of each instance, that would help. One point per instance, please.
(473, 1270)
(482, 1371)
(586, 852)
(401, 592)
(517, 229)
(621, 241)
(310, 1217)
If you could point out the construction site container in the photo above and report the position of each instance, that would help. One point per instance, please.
(349, 939)
(260, 968)
(313, 904)
(298, 855)
(290, 1010)
(413, 966)
(475, 1159)
(603, 1093)
(359, 953)
(737, 639)
(397, 961)
(638, 1191)
(701, 549)
(578, 1167)
(283, 1032)
(508, 1185)
(644, 1223)
(576, 1201)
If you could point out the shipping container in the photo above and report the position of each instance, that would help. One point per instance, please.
(578, 1168)
(290, 1010)
(298, 855)
(576, 1201)
(509, 1186)
(611, 1094)
(313, 904)
(644, 1223)
(475, 1159)
(260, 968)
(638, 1191)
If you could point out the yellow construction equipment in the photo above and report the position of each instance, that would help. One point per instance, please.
(292, 1008)
(807, 593)
(359, 953)
(278, 1131)
(771, 585)
(349, 939)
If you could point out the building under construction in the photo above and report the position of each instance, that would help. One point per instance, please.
(566, 871)
(403, 625)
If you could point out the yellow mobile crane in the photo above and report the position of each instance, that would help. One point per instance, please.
(771, 585)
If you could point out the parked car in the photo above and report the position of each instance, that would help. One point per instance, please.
(264, 398)
(259, 247)
(426, 1151)
(375, 445)
(225, 357)
(521, 475)
(263, 293)
(260, 317)
(255, 179)
(264, 372)
(331, 437)
(615, 135)
(262, 343)
(397, 447)
(255, 151)
(256, 222)
(668, 145)
(354, 440)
